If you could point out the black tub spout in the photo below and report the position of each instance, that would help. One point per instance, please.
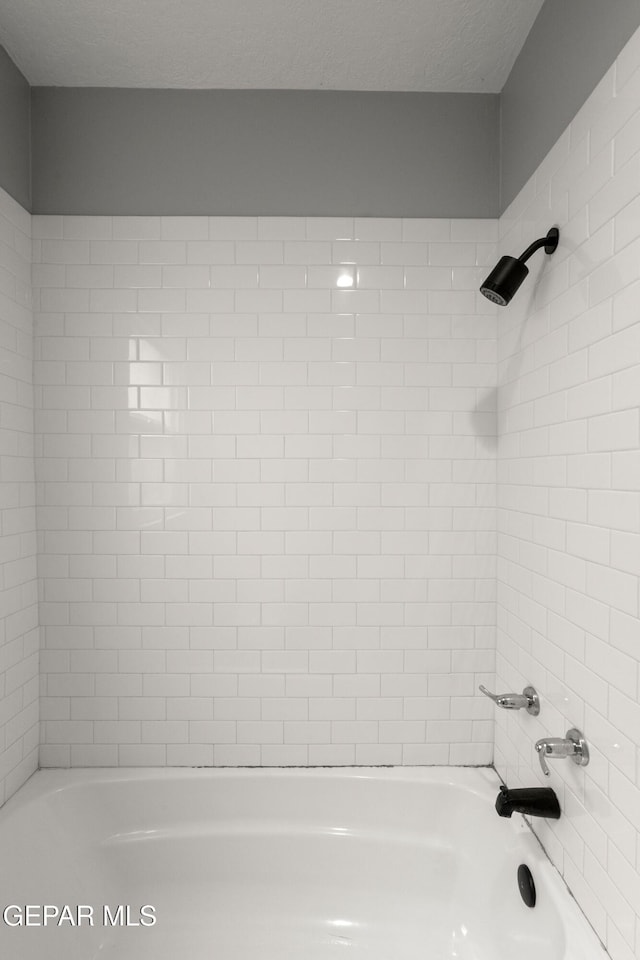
(532, 801)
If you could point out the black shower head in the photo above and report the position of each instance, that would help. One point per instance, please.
(509, 272)
(504, 280)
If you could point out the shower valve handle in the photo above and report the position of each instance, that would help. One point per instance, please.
(573, 745)
(527, 700)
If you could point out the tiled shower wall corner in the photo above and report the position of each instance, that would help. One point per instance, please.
(266, 489)
(569, 501)
(18, 587)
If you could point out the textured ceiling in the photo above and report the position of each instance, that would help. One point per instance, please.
(438, 45)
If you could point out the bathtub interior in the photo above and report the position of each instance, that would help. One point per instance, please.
(238, 864)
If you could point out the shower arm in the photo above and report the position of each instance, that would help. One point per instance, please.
(550, 242)
(531, 249)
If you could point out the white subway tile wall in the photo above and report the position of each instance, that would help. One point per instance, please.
(18, 575)
(266, 462)
(569, 499)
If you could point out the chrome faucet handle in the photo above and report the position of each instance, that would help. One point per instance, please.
(527, 700)
(573, 745)
(549, 747)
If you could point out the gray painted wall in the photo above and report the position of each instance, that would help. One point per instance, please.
(307, 152)
(570, 47)
(15, 132)
(217, 152)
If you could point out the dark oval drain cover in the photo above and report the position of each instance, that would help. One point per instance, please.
(526, 885)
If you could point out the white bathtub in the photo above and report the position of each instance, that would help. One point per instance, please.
(387, 864)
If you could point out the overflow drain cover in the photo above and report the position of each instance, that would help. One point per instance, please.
(526, 886)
